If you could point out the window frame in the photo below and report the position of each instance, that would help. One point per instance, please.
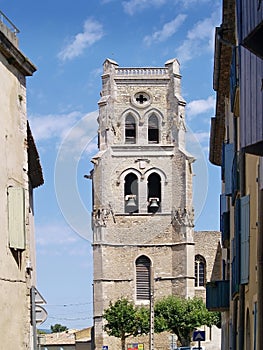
(200, 261)
(130, 139)
(152, 131)
(143, 292)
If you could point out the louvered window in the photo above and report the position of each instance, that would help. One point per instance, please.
(130, 129)
(143, 272)
(153, 129)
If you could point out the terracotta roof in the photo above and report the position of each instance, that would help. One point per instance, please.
(69, 337)
(61, 338)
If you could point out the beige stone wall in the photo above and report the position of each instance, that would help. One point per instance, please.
(167, 237)
(15, 280)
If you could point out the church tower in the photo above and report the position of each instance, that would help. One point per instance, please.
(143, 245)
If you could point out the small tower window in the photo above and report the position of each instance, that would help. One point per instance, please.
(200, 271)
(153, 129)
(130, 129)
(154, 193)
(143, 278)
(131, 193)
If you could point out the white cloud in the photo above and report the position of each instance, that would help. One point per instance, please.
(199, 39)
(167, 30)
(52, 235)
(132, 6)
(52, 125)
(202, 136)
(92, 32)
(55, 234)
(57, 126)
(187, 3)
(200, 106)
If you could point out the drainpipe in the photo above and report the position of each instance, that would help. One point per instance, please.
(241, 325)
(260, 261)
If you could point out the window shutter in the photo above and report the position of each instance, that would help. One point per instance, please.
(261, 173)
(235, 177)
(16, 217)
(229, 157)
(236, 251)
(245, 227)
(143, 278)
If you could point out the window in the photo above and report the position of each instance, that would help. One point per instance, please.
(130, 129)
(143, 278)
(200, 271)
(153, 129)
(131, 193)
(154, 193)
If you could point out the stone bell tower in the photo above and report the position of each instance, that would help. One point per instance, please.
(143, 243)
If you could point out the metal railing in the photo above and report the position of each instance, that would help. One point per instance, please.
(6, 21)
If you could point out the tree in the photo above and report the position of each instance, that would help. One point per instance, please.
(58, 328)
(125, 320)
(183, 316)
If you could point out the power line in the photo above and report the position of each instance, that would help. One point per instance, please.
(66, 305)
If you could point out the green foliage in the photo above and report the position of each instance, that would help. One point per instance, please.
(58, 328)
(182, 316)
(124, 320)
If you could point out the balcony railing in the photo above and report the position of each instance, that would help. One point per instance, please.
(6, 21)
(147, 71)
(217, 295)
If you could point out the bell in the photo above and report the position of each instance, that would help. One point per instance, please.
(130, 202)
(154, 202)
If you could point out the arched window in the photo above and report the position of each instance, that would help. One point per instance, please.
(131, 193)
(200, 271)
(130, 129)
(154, 193)
(153, 129)
(143, 278)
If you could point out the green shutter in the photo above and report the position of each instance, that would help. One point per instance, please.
(245, 229)
(16, 217)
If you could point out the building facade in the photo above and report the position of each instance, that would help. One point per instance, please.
(236, 145)
(143, 217)
(20, 173)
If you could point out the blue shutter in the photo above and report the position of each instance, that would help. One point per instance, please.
(235, 177)
(223, 162)
(233, 79)
(236, 251)
(244, 230)
(229, 157)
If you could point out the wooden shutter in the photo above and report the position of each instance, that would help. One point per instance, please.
(143, 268)
(16, 217)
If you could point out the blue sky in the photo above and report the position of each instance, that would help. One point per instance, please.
(68, 42)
